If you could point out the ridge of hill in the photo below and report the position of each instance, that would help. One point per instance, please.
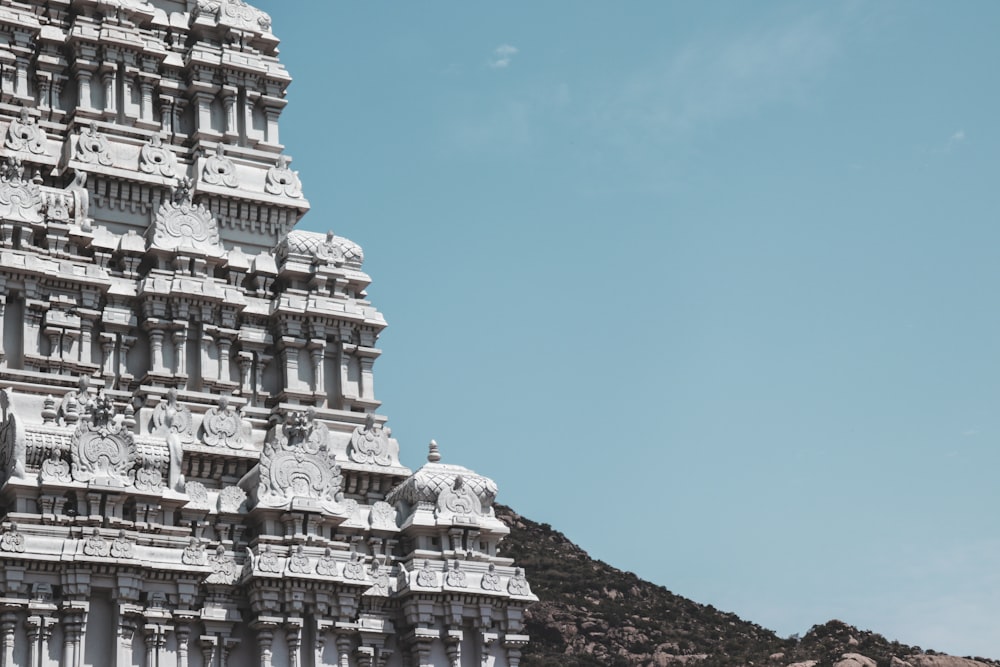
(590, 613)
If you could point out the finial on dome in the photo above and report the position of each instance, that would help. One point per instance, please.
(433, 455)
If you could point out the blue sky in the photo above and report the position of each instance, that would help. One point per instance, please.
(709, 287)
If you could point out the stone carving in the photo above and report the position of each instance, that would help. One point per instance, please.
(326, 566)
(491, 580)
(55, 469)
(324, 249)
(224, 569)
(11, 540)
(455, 577)
(49, 412)
(369, 444)
(179, 224)
(171, 417)
(102, 450)
(383, 515)
(12, 440)
(197, 492)
(157, 600)
(231, 499)
(518, 585)
(155, 158)
(281, 180)
(41, 591)
(427, 577)
(121, 547)
(92, 147)
(74, 403)
(20, 199)
(148, 478)
(236, 13)
(298, 562)
(355, 568)
(380, 579)
(223, 426)
(296, 464)
(173, 421)
(268, 561)
(458, 499)
(219, 170)
(24, 134)
(194, 553)
(95, 545)
(79, 190)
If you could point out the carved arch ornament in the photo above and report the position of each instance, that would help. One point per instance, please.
(297, 464)
(179, 224)
(103, 449)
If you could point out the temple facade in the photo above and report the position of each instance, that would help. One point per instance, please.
(193, 469)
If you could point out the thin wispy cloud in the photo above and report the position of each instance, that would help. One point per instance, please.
(957, 137)
(724, 78)
(502, 56)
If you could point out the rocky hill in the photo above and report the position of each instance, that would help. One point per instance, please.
(590, 613)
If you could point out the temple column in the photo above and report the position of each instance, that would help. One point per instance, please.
(3, 309)
(344, 645)
(289, 353)
(231, 131)
(180, 346)
(109, 77)
(208, 643)
(8, 624)
(108, 352)
(225, 344)
(245, 360)
(317, 354)
(48, 626)
(126, 632)
(293, 636)
(183, 635)
(265, 640)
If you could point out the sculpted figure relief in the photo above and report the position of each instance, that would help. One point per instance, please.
(369, 444)
(20, 199)
(194, 553)
(173, 422)
(224, 569)
(427, 577)
(380, 580)
(121, 547)
(219, 170)
(326, 566)
(223, 426)
(155, 158)
(92, 147)
(95, 545)
(298, 562)
(518, 585)
(491, 580)
(296, 463)
(11, 540)
(24, 134)
(459, 499)
(102, 449)
(281, 180)
(12, 440)
(455, 576)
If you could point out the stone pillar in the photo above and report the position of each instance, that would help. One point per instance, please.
(207, 643)
(108, 351)
(180, 347)
(366, 656)
(126, 633)
(245, 360)
(231, 131)
(344, 644)
(109, 77)
(265, 639)
(317, 354)
(84, 97)
(8, 624)
(293, 636)
(224, 344)
(156, 350)
(183, 635)
(48, 625)
(126, 344)
(290, 361)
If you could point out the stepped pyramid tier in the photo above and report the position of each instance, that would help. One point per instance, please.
(193, 469)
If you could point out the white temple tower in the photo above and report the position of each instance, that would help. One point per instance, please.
(193, 472)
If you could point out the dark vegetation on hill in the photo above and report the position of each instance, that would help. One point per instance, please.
(590, 613)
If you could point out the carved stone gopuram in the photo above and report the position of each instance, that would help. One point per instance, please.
(193, 469)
